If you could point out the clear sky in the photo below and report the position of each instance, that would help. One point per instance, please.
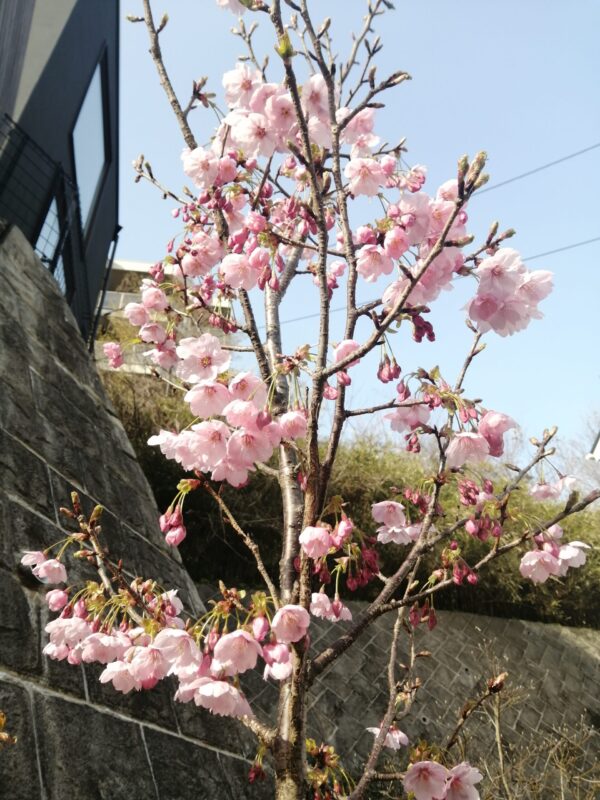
(517, 79)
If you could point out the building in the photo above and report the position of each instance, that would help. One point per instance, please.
(59, 64)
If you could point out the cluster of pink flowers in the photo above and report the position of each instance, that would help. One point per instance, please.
(508, 293)
(428, 780)
(475, 446)
(47, 570)
(134, 659)
(393, 523)
(552, 558)
(229, 447)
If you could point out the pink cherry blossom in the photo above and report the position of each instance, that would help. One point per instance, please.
(315, 101)
(538, 565)
(56, 599)
(175, 536)
(315, 541)
(398, 534)
(342, 532)
(148, 664)
(209, 442)
(136, 313)
(120, 674)
(466, 447)
(395, 738)
(246, 386)
(238, 272)
(67, 631)
(409, 417)
(395, 243)
(114, 354)
(164, 355)
(499, 275)
(241, 413)
(461, 782)
(365, 176)
(232, 5)
(234, 474)
(427, 780)
(323, 608)
(255, 135)
(202, 358)
(201, 166)
(534, 286)
(31, 558)
(389, 513)
(208, 399)
(415, 215)
(492, 426)
(550, 491)
(50, 571)
(290, 623)
(246, 447)
(278, 663)
(235, 653)
(572, 554)
(152, 332)
(344, 349)
(239, 84)
(293, 424)
(153, 298)
(372, 262)
(260, 628)
(220, 697)
(103, 648)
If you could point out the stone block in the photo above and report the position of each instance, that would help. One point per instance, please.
(222, 732)
(184, 771)
(19, 626)
(90, 755)
(24, 474)
(18, 769)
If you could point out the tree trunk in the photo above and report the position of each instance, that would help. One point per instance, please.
(290, 747)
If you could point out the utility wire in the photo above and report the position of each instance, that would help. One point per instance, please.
(529, 258)
(537, 169)
(561, 249)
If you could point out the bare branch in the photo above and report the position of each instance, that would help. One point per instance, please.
(247, 539)
(165, 81)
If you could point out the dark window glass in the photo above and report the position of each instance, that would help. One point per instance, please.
(89, 146)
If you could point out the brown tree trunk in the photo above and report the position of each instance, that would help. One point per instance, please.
(290, 747)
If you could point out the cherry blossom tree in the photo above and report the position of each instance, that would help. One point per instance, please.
(276, 201)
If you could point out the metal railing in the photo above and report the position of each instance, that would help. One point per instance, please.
(39, 197)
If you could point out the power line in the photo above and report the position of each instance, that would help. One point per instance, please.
(561, 249)
(537, 169)
(529, 258)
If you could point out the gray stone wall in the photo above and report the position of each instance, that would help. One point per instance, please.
(58, 432)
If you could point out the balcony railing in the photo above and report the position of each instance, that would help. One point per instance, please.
(39, 197)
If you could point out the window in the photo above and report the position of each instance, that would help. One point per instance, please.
(49, 246)
(89, 146)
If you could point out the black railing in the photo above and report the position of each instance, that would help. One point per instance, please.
(39, 197)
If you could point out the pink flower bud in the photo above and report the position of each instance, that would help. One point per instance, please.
(260, 628)
(175, 536)
(56, 599)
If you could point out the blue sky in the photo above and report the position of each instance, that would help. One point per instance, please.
(517, 79)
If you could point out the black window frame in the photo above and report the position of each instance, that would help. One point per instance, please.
(101, 64)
